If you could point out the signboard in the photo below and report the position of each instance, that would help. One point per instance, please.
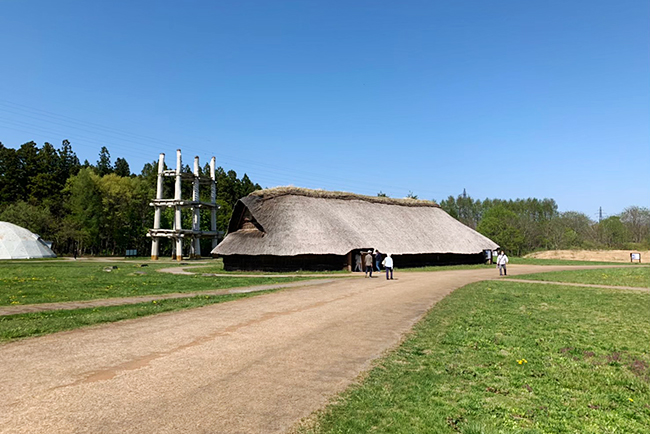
(635, 257)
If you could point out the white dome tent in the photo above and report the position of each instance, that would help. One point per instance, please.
(19, 243)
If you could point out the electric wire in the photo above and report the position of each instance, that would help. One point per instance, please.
(114, 138)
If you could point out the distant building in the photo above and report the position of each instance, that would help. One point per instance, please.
(289, 228)
(19, 243)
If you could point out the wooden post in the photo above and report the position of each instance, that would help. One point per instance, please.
(196, 220)
(349, 266)
(213, 200)
(155, 241)
(178, 216)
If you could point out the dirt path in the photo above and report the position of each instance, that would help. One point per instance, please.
(257, 365)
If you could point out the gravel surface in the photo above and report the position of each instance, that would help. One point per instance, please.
(255, 365)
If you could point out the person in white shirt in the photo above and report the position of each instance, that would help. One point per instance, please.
(502, 260)
(388, 265)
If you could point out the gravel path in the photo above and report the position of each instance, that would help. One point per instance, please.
(256, 365)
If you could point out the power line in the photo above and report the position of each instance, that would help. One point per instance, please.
(101, 135)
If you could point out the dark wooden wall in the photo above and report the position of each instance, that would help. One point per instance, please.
(340, 262)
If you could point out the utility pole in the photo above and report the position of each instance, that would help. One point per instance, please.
(600, 214)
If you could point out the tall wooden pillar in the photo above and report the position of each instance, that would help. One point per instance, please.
(196, 218)
(155, 241)
(213, 200)
(178, 215)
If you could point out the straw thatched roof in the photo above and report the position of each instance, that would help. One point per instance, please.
(289, 221)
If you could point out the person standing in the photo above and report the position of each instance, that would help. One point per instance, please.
(388, 265)
(357, 262)
(368, 263)
(378, 258)
(502, 260)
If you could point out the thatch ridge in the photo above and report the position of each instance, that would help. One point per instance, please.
(271, 193)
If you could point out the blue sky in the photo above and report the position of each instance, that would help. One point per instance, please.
(507, 99)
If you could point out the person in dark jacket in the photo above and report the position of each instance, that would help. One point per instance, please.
(378, 259)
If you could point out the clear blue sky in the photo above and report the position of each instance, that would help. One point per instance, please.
(508, 99)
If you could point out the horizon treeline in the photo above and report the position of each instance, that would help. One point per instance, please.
(525, 225)
(101, 208)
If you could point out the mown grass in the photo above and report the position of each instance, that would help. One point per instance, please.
(508, 357)
(637, 276)
(537, 261)
(14, 327)
(446, 267)
(44, 282)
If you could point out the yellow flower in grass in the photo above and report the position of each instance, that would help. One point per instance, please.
(522, 361)
(631, 400)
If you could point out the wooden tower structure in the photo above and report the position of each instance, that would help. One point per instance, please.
(177, 233)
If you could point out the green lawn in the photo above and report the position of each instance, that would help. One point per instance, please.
(445, 267)
(36, 324)
(628, 276)
(508, 357)
(536, 261)
(56, 281)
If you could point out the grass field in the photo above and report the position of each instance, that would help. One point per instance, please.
(23, 283)
(56, 281)
(628, 276)
(508, 357)
(36, 324)
(536, 261)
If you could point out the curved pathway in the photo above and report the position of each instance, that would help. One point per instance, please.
(256, 365)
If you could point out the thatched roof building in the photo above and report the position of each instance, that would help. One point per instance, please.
(292, 228)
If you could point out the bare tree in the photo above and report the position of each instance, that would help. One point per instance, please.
(637, 221)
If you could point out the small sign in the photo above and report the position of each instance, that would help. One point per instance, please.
(635, 257)
(133, 252)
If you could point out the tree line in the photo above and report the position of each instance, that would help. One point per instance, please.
(101, 208)
(524, 225)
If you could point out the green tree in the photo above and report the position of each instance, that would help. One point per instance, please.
(84, 205)
(613, 233)
(37, 219)
(45, 186)
(104, 165)
(124, 214)
(10, 177)
(637, 222)
(28, 168)
(122, 167)
(68, 162)
(500, 225)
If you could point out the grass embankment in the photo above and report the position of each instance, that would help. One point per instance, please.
(637, 276)
(508, 357)
(41, 282)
